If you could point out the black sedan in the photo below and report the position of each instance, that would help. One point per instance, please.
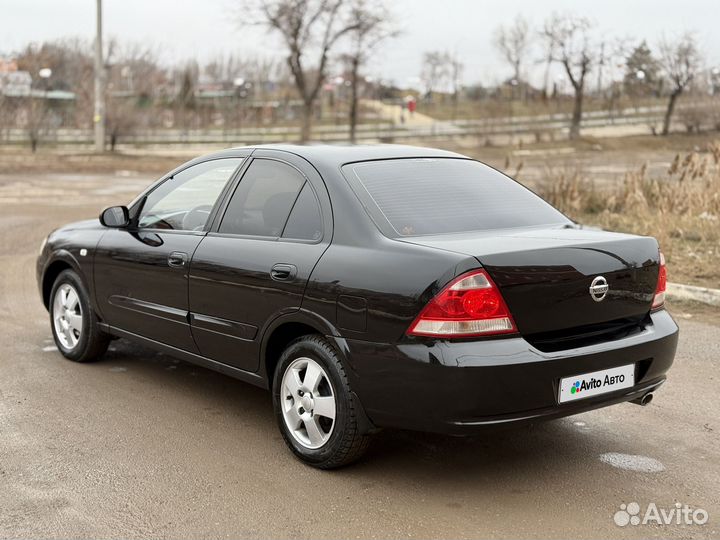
(367, 287)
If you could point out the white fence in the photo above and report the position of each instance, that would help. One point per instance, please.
(536, 126)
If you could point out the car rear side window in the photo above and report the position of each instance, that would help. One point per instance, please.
(263, 199)
(305, 221)
(440, 195)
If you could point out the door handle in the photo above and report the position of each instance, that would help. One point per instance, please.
(177, 259)
(283, 272)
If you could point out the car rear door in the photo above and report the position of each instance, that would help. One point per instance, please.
(255, 262)
(141, 272)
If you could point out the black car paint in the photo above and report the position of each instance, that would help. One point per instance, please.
(138, 291)
(457, 386)
(233, 291)
(362, 288)
(544, 274)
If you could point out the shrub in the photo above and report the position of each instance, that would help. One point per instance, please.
(681, 208)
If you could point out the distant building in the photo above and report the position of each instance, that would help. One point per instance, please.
(7, 65)
(13, 82)
(516, 89)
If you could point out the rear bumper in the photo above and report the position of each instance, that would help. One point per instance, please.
(460, 387)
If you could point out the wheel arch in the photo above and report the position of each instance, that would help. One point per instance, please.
(61, 261)
(284, 329)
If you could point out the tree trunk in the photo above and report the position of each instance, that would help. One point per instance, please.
(546, 79)
(577, 114)
(354, 98)
(306, 128)
(669, 112)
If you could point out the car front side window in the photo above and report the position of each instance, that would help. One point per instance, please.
(184, 201)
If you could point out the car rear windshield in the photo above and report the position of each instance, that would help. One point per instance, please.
(441, 195)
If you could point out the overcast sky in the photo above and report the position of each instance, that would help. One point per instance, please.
(182, 29)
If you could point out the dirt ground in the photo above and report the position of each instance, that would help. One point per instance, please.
(143, 445)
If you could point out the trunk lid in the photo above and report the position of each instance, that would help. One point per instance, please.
(545, 277)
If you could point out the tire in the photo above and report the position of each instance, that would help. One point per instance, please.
(339, 442)
(73, 321)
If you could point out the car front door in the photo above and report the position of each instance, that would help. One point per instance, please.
(255, 262)
(141, 272)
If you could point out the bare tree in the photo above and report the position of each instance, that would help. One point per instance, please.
(121, 118)
(435, 71)
(547, 60)
(513, 42)
(372, 25)
(456, 73)
(225, 68)
(34, 111)
(71, 63)
(185, 97)
(5, 114)
(131, 74)
(36, 119)
(264, 76)
(306, 27)
(681, 60)
(231, 74)
(568, 40)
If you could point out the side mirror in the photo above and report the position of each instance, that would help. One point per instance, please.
(115, 216)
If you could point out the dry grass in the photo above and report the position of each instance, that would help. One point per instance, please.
(681, 209)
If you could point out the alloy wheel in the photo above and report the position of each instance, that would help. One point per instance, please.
(67, 316)
(308, 403)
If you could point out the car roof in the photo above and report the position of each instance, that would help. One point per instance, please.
(333, 156)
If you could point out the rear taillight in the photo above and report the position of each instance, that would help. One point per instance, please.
(659, 299)
(470, 305)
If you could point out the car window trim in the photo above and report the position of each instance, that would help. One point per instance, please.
(287, 218)
(216, 234)
(166, 231)
(143, 197)
(214, 230)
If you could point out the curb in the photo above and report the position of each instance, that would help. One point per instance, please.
(697, 294)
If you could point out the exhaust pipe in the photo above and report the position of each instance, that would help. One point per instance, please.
(644, 400)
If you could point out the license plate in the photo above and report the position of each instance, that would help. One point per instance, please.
(596, 383)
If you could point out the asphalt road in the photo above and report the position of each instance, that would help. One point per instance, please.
(142, 445)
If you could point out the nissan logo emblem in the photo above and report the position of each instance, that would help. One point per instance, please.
(599, 288)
